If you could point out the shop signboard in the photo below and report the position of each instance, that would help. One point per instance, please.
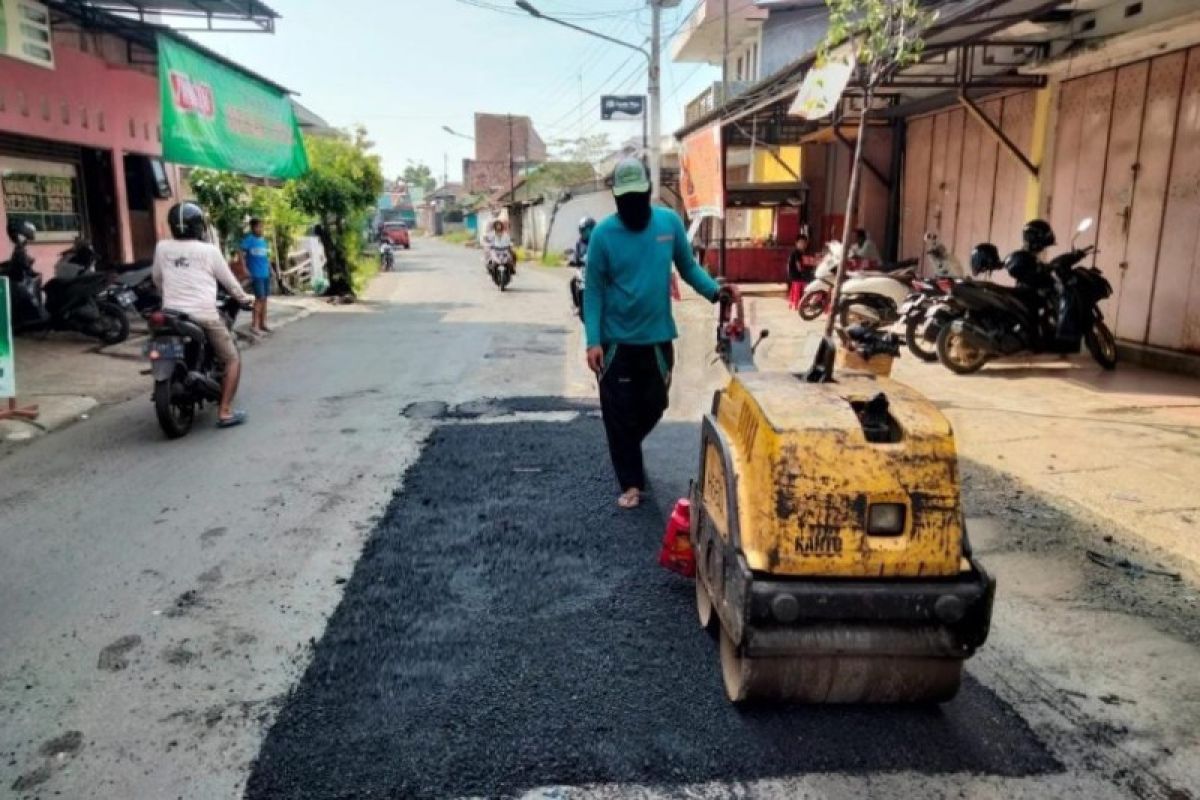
(8, 381)
(702, 169)
(217, 117)
(25, 32)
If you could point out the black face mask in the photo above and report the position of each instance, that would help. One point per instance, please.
(634, 210)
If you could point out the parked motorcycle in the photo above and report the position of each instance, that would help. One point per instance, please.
(133, 279)
(819, 291)
(924, 313)
(1003, 321)
(63, 304)
(186, 373)
(874, 298)
(500, 262)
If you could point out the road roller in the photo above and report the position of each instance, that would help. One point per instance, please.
(831, 553)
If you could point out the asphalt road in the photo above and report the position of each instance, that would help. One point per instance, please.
(388, 586)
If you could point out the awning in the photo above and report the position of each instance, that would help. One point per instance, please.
(965, 49)
(766, 195)
(194, 15)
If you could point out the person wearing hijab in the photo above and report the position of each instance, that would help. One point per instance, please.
(628, 321)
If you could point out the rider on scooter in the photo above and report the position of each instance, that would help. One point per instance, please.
(188, 269)
(497, 239)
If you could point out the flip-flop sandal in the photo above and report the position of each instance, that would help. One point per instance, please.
(230, 422)
(628, 501)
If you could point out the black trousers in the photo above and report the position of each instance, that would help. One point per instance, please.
(633, 396)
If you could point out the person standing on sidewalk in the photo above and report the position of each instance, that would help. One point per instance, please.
(257, 257)
(799, 271)
(627, 309)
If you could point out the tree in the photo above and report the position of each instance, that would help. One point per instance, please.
(882, 36)
(584, 149)
(550, 178)
(419, 175)
(340, 189)
(225, 200)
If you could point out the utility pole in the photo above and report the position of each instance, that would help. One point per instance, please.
(724, 53)
(512, 169)
(653, 89)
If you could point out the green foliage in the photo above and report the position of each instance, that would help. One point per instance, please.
(419, 175)
(552, 177)
(884, 35)
(584, 149)
(282, 220)
(226, 201)
(458, 237)
(340, 188)
(553, 259)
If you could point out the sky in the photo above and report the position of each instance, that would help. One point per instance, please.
(405, 68)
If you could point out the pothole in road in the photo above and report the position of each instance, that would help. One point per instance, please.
(504, 631)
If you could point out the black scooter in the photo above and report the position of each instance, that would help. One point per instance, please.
(131, 284)
(186, 373)
(1003, 321)
(63, 304)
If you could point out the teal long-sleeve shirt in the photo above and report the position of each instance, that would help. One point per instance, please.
(627, 297)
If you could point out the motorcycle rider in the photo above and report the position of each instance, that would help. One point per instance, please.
(586, 226)
(187, 269)
(497, 239)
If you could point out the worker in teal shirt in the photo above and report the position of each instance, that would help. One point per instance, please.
(627, 308)
(257, 256)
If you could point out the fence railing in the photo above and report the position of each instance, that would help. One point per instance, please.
(296, 276)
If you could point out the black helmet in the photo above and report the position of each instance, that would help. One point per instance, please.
(1037, 235)
(1023, 266)
(586, 224)
(984, 258)
(186, 221)
(20, 231)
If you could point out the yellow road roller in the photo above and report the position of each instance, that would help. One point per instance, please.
(831, 553)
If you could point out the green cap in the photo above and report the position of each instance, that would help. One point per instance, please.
(630, 176)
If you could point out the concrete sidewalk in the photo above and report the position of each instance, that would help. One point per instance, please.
(1124, 446)
(67, 375)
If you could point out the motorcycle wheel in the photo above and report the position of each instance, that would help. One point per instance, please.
(813, 306)
(175, 416)
(847, 316)
(958, 356)
(1102, 345)
(113, 324)
(914, 337)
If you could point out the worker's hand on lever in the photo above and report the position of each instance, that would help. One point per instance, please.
(595, 359)
(729, 292)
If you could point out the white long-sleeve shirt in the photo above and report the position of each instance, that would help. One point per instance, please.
(188, 271)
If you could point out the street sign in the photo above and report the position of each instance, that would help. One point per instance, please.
(622, 106)
(8, 382)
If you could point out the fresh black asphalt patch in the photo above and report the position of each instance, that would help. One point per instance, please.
(507, 628)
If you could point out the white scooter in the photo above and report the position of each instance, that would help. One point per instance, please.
(818, 292)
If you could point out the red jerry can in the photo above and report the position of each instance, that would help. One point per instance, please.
(676, 554)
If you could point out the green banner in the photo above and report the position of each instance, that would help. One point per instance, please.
(8, 381)
(214, 116)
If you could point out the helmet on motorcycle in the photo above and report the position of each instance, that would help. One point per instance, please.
(1037, 235)
(186, 221)
(585, 226)
(1024, 267)
(984, 258)
(20, 231)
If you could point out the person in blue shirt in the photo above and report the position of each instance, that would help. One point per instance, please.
(627, 314)
(257, 256)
